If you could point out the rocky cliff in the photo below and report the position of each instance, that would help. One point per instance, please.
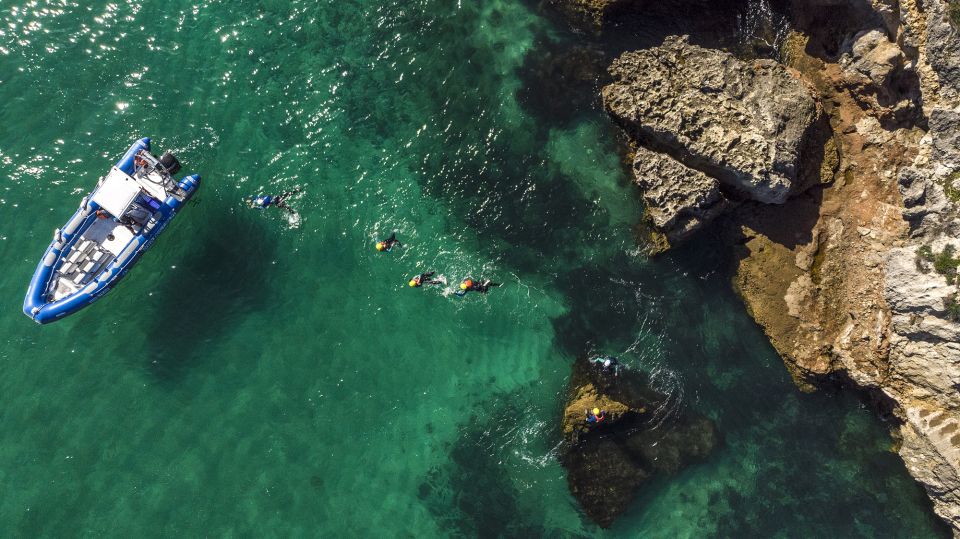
(921, 283)
(839, 202)
(868, 294)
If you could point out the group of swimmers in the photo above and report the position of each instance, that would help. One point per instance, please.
(467, 285)
(483, 286)
(605, 364)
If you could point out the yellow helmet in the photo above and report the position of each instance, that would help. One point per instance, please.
(463, 286)
(412, 283)
(596, 411)
(381, 246)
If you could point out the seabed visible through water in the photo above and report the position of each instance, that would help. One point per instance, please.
(249, 378)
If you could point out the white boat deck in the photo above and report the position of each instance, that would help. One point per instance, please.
(124, 199)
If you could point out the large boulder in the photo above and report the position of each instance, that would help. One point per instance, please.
(744, 124)
(608, 462)
(679, 199)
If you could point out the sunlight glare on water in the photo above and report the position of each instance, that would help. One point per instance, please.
(260, 376)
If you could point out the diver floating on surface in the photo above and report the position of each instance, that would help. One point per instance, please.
(113, 227)
(469, 285)
(262, 202)
(425, 278)
(388, 244)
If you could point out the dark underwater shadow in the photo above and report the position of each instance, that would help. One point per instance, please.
(603, 300)
(473, 495)
(215, 285)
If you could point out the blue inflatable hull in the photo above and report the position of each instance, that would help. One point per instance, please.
(41, 302)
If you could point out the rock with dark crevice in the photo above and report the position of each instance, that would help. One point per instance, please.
(744, 123)
(712, 131)
(607, 463)
(880, 77)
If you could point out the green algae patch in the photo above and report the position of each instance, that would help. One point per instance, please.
(944, 262)
(950, 188)
(953, 12)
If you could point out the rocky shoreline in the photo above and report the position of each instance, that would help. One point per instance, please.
(834, 176)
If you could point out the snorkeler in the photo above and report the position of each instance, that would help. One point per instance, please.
(469, 284)
(387, 244)
(424, 278)
(606, 364)
(261, 202)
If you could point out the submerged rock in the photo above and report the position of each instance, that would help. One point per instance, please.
(591, 14)
(744, 125)
(608, 462)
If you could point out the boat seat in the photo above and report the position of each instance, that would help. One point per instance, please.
(101, 263)
(74, 255)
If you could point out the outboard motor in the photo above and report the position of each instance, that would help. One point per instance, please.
(169, 162)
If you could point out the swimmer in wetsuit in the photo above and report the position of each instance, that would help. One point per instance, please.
(424, 278)
(469, 284)
(389, 243)
(261, 202)
(606, 364)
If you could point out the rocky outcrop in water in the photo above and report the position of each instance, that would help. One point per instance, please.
(680, 199)
(608, 462)
(715, 128)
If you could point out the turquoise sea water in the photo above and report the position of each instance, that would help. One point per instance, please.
(250, 378)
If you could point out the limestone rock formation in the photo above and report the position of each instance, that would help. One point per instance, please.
(878, 73)
(849, 280)
(679, 199)
(743, 123)
(925, 333)
(608, 462)
(725, 125)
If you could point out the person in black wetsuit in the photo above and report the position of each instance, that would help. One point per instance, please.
(388, 244)
(606, 364)
(262, 202)
(469, 284)
(424, 278)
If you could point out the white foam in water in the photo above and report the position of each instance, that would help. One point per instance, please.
(293, 219)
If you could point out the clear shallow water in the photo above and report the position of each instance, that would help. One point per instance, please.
(250, 378)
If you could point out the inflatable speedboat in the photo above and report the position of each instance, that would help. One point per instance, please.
(113, 227)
